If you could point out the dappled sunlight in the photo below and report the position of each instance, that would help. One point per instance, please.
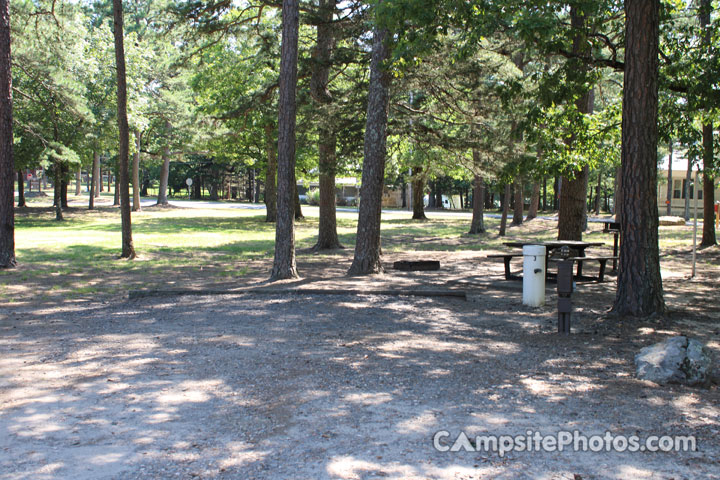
(238, 454)
(35, 425)
(244, 386)
(633, 471)
(367, 399)
(351, 468)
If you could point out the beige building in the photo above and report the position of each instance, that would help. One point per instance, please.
(679, 180)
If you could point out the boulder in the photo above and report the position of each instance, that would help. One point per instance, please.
(671, 221)
(675, 360)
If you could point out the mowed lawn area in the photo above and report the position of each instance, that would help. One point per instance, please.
(78, 258)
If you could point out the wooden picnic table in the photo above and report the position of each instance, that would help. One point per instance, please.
(551, 245)
(611, 226)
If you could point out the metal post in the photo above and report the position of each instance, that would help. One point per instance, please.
(695, 195)
(564, 289)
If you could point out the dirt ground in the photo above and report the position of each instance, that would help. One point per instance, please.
(317, 386)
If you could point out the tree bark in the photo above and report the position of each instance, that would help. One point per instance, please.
(519, 201)
(505, 210)
(284, 262)
(128, 250)
(327, 229)
(7, 163)
(116, 196)
(270, 182)
(298, 206)
(708, 235)
(327, 140)
(639, 290)
(100, 182)
(686, 189)
(57, 192)
(64, 174)
(21, 189)
(78, 181)
(136, 172)
(477, 224)
(598, 190)
(367, 246)
(572, 216)
(93, 181)
(534, 202)
(164, 175)
(668, 200)
(418, 194)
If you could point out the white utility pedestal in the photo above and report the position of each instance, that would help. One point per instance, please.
(534, 275)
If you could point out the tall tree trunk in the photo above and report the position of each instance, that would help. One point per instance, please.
(327, 229)
(418, 194)
(432, 196)
(668, 201)
(534, 202)
(598, 190)
(519, 201)
(93, 181)
(572, 216)
(298, 206)
(505, 210)
(686, 189)
(708, 235)
(7, 163)
(367, 246)
(639, 290)
(78, 181)
(98, 180)
(116, 196)
(57, 192)
(270, 182)
(21, 189)
(544, 194)
(327, 140)
(164, 173)
(258, 184)
(136, 172)
(617, 194)
(284, 262)
(477, 224)
(64, 173)
(128, 250)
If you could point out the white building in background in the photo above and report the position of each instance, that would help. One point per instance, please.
(679, 181)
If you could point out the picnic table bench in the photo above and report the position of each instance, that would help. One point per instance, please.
(601, 274)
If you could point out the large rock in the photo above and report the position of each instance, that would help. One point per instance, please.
(676, 360)
(667, 221)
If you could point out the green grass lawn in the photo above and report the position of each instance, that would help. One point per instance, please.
(78, 257)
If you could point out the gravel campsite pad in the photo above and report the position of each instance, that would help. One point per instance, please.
(330, 386)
